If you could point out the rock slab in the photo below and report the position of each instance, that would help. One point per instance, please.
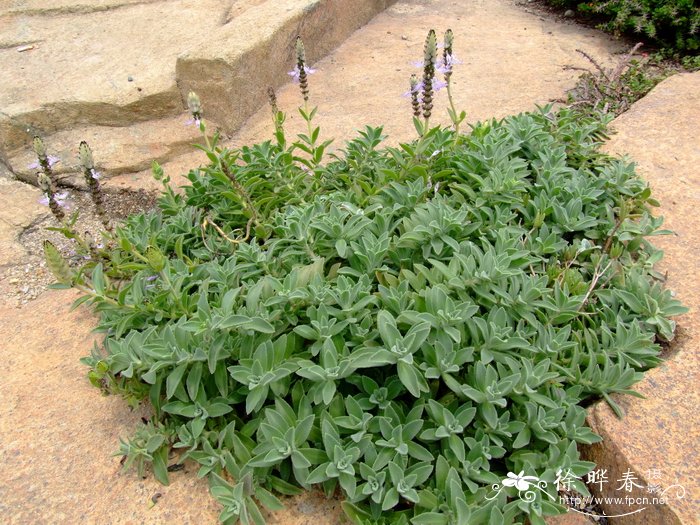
(657, 440)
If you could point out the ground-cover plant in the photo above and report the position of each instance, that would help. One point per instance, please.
(419, 327)
(671, 24)
(614, 89)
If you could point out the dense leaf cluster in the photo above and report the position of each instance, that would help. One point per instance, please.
(406, 324)
(669, 23)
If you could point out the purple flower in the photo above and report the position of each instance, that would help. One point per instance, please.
(194, 121)
(51, 160)
(150, 279)
(438, 84)
(95, 174)
(444, 66)
(418, 88)
(296, 72)
(60, 198)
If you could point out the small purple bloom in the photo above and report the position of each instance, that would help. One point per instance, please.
(418, 88)
(51, 159)
(60, 198)
(444, 66)
(296, 72)
(194, 121)
(415, 89)
(95, 174)
(438, 84)
(150, 279)
(441, 66)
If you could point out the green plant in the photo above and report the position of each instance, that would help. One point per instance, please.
(668, 23)
(408, 324)
(614, 90)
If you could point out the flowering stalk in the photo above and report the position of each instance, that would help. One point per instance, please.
(53, 200)
(194, 104)
(414, 93)
(195, 107)
(93, 185)
(300, 74)
(447, 54)
(448, 61)
(66, 276)
(278, 117)
(302, 70)
(58, 203)
(304, 83)
(219, 156)
(429, 57)
(44, 161)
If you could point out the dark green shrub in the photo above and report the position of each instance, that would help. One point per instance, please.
(667, 23)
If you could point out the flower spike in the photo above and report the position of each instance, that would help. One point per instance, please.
(91, 180)
(55, 201)
(415, 92)
(429, 58)
(301, 71)
(195, 107)
(447, 55)
(44, 161)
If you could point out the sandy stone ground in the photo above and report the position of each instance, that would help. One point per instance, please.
(58, 434)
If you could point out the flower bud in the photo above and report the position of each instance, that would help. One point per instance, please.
(44, 183)
(539, 219)
(57, 265)
(430, 49)
(301, 53)
(39, 147)
(415, 89)
(194, 104)
(156, 260)
(85, 156)
(616, 250)
(449, 41)
(429, 56)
